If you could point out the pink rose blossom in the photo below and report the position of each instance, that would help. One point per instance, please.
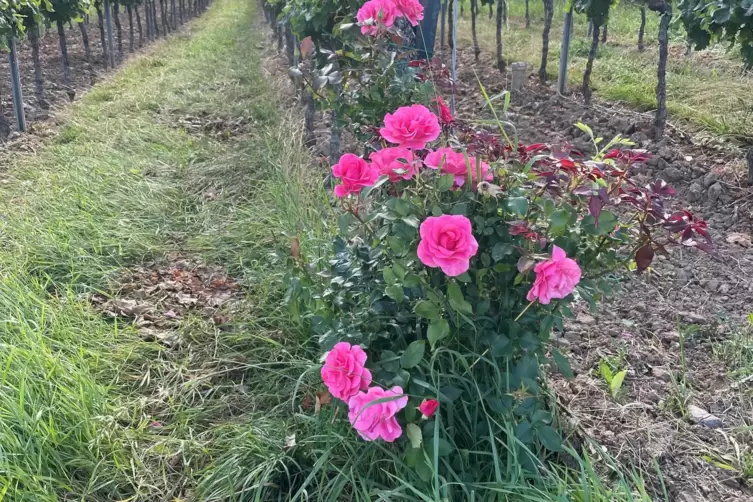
(411, 127)
(376, 14)
(447, 242)
(555, 278)
(428, 407)
(445, 115)
(454, 163)
(377, 420)
(354, 173)
(391, 162)
(411, 9)
(343, 372)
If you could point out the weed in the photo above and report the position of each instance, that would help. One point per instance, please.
(612, 378)
(679, 395)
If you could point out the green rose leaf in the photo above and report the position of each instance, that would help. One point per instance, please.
(457, 301)
(518, 205)
(413, 354)
(563, 364)
(396, 293)
(445, 182)
(415, 437)
(427, 310)
(549, 438)
(438, 330)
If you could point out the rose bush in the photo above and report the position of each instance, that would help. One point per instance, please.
(453, 286)
(458, 253)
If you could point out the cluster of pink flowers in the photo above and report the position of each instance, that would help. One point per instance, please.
(447, 241)
(375, 16)
(411, 128)
(371, 410)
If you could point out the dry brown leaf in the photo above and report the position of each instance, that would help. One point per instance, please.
(128, 308)
(185, 299)
(740, 238)
(323, 398)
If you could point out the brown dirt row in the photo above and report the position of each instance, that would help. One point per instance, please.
(57, 94)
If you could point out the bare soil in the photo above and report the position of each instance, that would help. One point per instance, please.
(690, 302)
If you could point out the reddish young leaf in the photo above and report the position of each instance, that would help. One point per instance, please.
(643, 257)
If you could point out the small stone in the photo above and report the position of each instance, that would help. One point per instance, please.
(670, 336)
(586, 319)
(704, 418)
(692, 318)
(684, 275)
(710, 179)
(715, 192)
(652, 396)
(673, 174)
(661, 374)
(639, 307)
(666, 153)
(724, 288)
(695, 192)
(712, 285)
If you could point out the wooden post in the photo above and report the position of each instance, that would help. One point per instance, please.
(108, 27)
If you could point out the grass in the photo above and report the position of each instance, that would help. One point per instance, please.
(124, 183)
(707, 89)
(130, 179)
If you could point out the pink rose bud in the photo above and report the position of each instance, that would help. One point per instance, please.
(454, 163)
(448, 243)
(411, 127)
(376, 15)
(391, 162)
(373, 421)
(343, 372)
(428, 407)
(354, 173)
(411, 9)
(555, 278)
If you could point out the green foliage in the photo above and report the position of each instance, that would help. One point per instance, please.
(613, 379)
(16, 14)
(67, 10)
(372, 76)
(597, 11)
(725, 20)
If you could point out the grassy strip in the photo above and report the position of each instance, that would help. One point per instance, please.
(127, 181)
(187, 150)
(708, 89)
